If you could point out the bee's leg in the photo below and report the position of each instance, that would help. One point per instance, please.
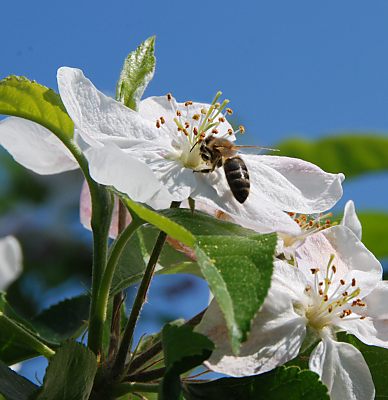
(204, 171)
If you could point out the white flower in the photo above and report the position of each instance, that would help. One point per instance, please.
(162, 134)
(10, 261)
(309, 225)
(336, 286)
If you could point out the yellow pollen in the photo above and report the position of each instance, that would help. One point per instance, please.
(203, 111)
(241, 129)
(217, 105)
(196, 117)
(178, 113)
(229, 111)
(162, 120)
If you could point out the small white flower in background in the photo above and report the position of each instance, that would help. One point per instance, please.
(336, 286)
(10, 261)
(162, 135)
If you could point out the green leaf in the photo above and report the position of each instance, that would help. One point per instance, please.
(18, 341)
(377, 360)
(137, 72)
(23, 98)
(70, 374)
(352, 155)
(136, 254)
(282, 383)
(172, 229)
(14, 386)
(236, 262)
(183, 350)
(64, 320)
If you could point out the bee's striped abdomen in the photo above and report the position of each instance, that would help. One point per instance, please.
(236, 173)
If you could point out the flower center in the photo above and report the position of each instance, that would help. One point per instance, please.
(329, 302)
(192, 125)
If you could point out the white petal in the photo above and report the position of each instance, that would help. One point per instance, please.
(10, 261)
(111, 166)
(343, 370)
(352, 258)
(351, 220)
(255, 213)
(294, 185)
(275, 338)
(377, 301)
(86, 212)
(97, 115)
(35, 147)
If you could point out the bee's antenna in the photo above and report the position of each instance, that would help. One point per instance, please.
(194, 145)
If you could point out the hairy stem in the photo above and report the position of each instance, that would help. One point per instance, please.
(119, 365)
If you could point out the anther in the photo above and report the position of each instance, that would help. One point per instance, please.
(330, 309)
(203, 111)
(187, 125)
(221, 119)
(342, 282)
(314, 270)
(241, 129)
(363, 317)
(353, 282)
(157, 123)
(320, 291)
(230, 131)
(195, 131)
(217, 105)
(325, 297)
(188, 103)
(229, 111)
(169, 96)
(345, 294)
(334, 269)
(196, 117)
(215, 131)
(162, 120)
(178, 113)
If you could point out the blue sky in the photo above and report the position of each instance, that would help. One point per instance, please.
(289, 67)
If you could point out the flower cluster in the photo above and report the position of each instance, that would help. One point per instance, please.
(324, 280)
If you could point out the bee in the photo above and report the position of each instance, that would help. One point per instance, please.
(219, 152)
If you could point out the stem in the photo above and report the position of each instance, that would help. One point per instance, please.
(157, 347)
(147, 376)
(106, 281)
(119, 297)
(119, 365)
(122, 389)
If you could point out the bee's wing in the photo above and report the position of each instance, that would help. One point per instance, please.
(260, 148)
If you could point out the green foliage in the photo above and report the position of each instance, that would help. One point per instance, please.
(70, 374)
(282, 383)
(137, 72)
(352, 155)
(377, 360)
(14, 386)
(27, 339)
(374, 232)
(224, 251)
(23, 98)
(64, 320)
(136, 253)
(183, 350)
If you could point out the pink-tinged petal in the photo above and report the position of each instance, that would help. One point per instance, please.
(351, 220)
(276, 336)
(111, 166)
(294, 185)
(35, 147)
(10, 261)
(86, 212)
(98, 116)
(352, 259)
(343, 370)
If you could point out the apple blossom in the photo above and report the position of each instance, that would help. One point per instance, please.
(163, 133)
(335, 286)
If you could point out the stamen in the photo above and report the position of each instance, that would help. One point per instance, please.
(196, 117)
(162, 120)
(215, 131)
(169, 96)
(158, 124)
(241, 128)
(229, 111)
